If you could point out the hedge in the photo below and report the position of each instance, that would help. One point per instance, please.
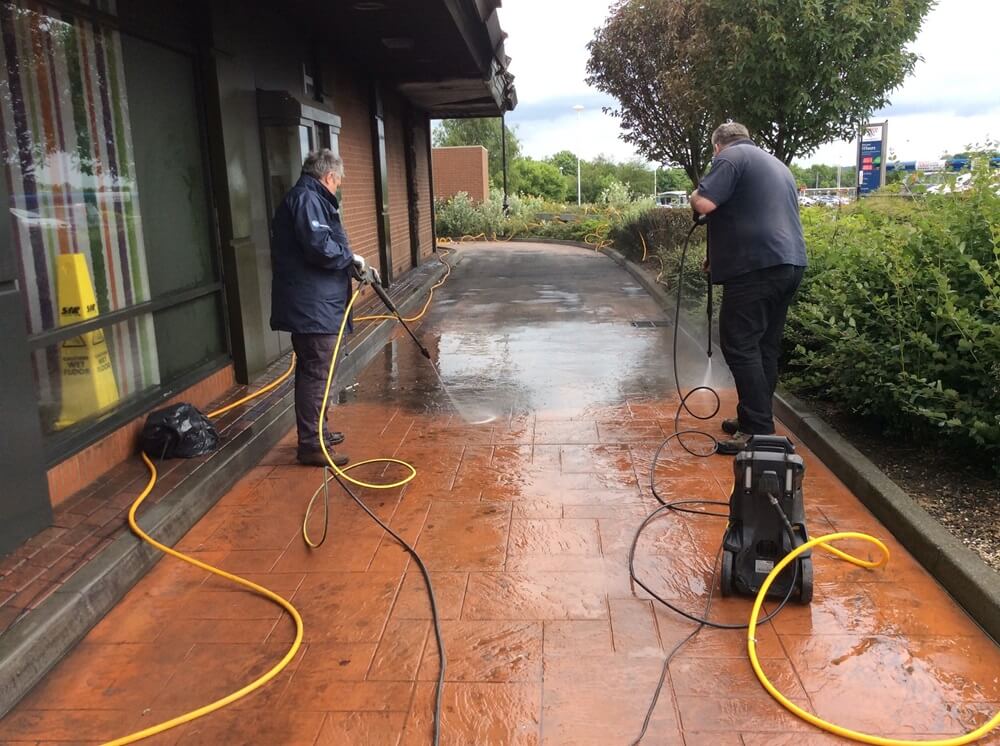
(898, 317)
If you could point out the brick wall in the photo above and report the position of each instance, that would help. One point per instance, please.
(80, 469)
(350, 99)
(399, 214)
(424, 197)
(462, 169)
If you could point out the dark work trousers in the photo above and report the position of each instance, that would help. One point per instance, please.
(751, 324)
(312, 365)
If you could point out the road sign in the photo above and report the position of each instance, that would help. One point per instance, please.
(872, 149)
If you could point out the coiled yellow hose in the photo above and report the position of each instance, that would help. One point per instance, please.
(258, 589)
(411, 471)
(819, 722)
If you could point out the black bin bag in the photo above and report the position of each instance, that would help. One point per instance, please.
(180, 431)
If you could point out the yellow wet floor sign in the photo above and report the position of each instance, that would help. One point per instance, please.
(88, 379)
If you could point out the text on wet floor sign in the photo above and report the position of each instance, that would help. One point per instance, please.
(88, 378)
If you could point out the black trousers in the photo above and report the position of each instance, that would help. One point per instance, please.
(751, 324)
(312, 353)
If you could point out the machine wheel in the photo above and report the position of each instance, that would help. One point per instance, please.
(726, 575)
(806, 587)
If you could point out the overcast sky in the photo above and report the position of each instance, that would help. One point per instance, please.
(952, 98)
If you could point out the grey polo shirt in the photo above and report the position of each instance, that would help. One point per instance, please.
(756, 224)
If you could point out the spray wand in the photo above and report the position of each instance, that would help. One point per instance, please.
(700, 219)
(371, 277)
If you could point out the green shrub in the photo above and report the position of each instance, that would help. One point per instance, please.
(660, 228)
(532, 217)
(898, 318)
(899, 315)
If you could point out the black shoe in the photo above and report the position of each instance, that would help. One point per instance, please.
(334, 439)
(315, 457)
(731, 427)
(734, 445)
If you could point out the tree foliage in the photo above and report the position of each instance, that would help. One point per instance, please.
(824, 176)
(799, 73)
(598, 174)
(485, 132)
(538, 179)
(644, 56)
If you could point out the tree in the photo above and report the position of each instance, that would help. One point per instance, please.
(485, 132)
(799, 73)
(565, 161)
(672, 180)
(823, 176)
(538, 179)
(644, 56)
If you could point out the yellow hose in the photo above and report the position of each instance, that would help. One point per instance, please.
(322, 441)
(411, 470)
(258, 589)
(838, 730)
(430, 297)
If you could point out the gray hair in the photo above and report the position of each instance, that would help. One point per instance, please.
(728, 133)
(319, 163)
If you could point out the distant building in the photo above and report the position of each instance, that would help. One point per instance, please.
(154, 139)
(463, 168)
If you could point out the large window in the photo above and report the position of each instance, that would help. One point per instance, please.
(106, 205)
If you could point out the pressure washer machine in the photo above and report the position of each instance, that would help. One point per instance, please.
(766, 521)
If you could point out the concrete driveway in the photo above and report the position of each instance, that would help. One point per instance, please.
(533, 450)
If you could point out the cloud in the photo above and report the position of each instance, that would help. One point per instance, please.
(952, 98)
(554, 108)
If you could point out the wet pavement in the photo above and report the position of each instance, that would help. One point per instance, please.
(533, 449)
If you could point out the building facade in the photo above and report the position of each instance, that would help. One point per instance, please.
(145, 146)
(462, 168)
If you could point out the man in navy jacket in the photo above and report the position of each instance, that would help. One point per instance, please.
(311, 261)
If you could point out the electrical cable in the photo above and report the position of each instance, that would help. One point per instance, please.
(676, 649)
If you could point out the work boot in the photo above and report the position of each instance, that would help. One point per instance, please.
(731, 427)
(334, 439)
(733, 445)
(315, 457)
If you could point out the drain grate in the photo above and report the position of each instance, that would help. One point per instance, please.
(650, 324)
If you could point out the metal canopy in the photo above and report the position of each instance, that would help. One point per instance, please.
(446, 56)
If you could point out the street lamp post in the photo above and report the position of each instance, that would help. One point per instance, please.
(578, 108)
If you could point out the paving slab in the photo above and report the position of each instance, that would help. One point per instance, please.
(533, 444)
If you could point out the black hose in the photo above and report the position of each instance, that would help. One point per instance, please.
(680, 506)
(442, 661)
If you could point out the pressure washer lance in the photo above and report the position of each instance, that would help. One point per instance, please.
(710, 296)
(371, 278)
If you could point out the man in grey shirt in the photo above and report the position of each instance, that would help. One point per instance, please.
(757, 252)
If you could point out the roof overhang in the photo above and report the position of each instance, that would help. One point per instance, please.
(447, 57)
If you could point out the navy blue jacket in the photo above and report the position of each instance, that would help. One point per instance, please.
(310, 260)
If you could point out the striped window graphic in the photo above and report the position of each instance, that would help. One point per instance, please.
(69, 170)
